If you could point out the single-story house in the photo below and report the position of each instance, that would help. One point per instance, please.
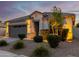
(2, 29)
(37, 23)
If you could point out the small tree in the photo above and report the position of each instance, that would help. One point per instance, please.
(56, 20)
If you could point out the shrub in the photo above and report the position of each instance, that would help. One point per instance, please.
(3, 43)
(53, 40)
(64, 34)
(21, 36)
(38, 38)
(18, 45)
(40, 52)
(77, 25)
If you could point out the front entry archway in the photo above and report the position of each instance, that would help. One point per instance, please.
(36, 25)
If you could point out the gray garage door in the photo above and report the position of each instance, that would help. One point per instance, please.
(15, 30)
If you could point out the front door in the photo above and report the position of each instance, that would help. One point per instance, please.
(36, 25)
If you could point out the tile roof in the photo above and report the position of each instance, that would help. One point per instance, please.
(46, 14)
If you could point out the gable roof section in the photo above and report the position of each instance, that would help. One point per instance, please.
(23, 19)
(20, 19)
(36, 12)
(64, 14)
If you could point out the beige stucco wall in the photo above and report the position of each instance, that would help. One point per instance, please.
(76, 33)
(2, 31)
(68, 25)
(31, 33)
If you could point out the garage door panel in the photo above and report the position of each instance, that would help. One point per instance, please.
(15, 30)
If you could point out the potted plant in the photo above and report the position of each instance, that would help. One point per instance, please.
(21, 36)
(53, 40)
(77, 25)
(64, 34)
(38, 38)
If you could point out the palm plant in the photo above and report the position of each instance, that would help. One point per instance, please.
(55, 23)
(56, 20)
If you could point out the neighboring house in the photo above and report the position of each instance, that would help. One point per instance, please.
(37, 23)
(2, 29)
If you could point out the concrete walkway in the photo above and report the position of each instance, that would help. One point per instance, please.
(9, 54)
(6, 53)
(9, 40)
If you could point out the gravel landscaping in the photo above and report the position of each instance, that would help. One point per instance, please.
(64, 49)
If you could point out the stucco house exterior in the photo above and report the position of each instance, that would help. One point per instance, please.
(36, 23)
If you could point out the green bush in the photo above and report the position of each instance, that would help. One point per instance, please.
(64, 34)
(3, 43)
(77, 25)
(21, 36)
(38, 38)
(18, 45)
(40, 52)
(53, 40)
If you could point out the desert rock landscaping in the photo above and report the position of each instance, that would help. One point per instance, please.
(64, 49)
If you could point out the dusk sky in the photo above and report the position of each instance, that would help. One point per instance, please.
(17, 9)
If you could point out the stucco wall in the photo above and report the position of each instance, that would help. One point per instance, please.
(76, 33)
(2, 31)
